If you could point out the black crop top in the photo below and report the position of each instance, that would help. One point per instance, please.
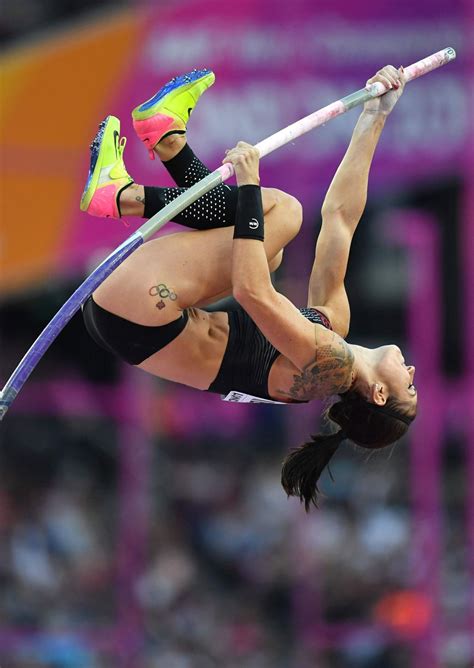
(249, 355)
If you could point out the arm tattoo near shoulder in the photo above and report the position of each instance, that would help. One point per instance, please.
(330, 373)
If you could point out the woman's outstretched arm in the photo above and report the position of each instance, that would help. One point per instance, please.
(345, 202)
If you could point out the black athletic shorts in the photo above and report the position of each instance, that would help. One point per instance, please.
(131, 342)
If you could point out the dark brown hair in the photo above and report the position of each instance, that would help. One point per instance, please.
(364, 423)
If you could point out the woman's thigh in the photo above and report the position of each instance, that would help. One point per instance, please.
(177, 271)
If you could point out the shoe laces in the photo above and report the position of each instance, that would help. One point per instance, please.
(118, 169)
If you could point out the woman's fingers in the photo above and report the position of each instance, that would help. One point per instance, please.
(382, 78)
(242, 153)
(245, 160)
(389, 76)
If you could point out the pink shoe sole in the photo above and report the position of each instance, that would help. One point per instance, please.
(151, 130)
(103, 202)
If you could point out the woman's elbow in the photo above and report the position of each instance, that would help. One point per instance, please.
(242, 293)
(344, 213)
(246, 295)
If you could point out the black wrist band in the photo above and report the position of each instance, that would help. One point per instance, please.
(249, 215)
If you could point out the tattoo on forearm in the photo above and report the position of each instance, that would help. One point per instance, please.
(330, 373)
(162, 291)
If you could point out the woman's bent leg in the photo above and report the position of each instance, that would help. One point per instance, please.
(181, 270)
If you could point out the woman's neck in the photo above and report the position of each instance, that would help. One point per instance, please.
(362, 371)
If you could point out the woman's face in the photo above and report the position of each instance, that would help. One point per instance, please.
(397, 376)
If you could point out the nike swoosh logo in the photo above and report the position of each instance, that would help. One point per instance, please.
(116, 142)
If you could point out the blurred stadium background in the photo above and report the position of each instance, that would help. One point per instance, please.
(142, 524)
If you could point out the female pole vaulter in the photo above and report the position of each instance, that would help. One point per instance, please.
(149, 311)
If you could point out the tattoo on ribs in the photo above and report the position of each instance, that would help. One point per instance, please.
(162, 291)
(330, 373)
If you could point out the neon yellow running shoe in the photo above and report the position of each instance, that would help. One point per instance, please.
(168, 111)
(107, 173)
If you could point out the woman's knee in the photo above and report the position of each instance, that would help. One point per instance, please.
(295, 209)
(287, 206)
(275, 262)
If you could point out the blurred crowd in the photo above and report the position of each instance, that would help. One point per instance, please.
(235, 574)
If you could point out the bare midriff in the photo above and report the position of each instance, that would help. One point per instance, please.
(195, 356)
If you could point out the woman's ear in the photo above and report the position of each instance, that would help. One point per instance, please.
(378, 394)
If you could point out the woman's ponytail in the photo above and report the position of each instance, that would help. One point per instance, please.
(303, 466)
(360, 421)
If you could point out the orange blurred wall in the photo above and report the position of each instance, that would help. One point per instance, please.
(52, 93)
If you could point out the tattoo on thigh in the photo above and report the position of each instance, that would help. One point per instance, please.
(162, 291)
